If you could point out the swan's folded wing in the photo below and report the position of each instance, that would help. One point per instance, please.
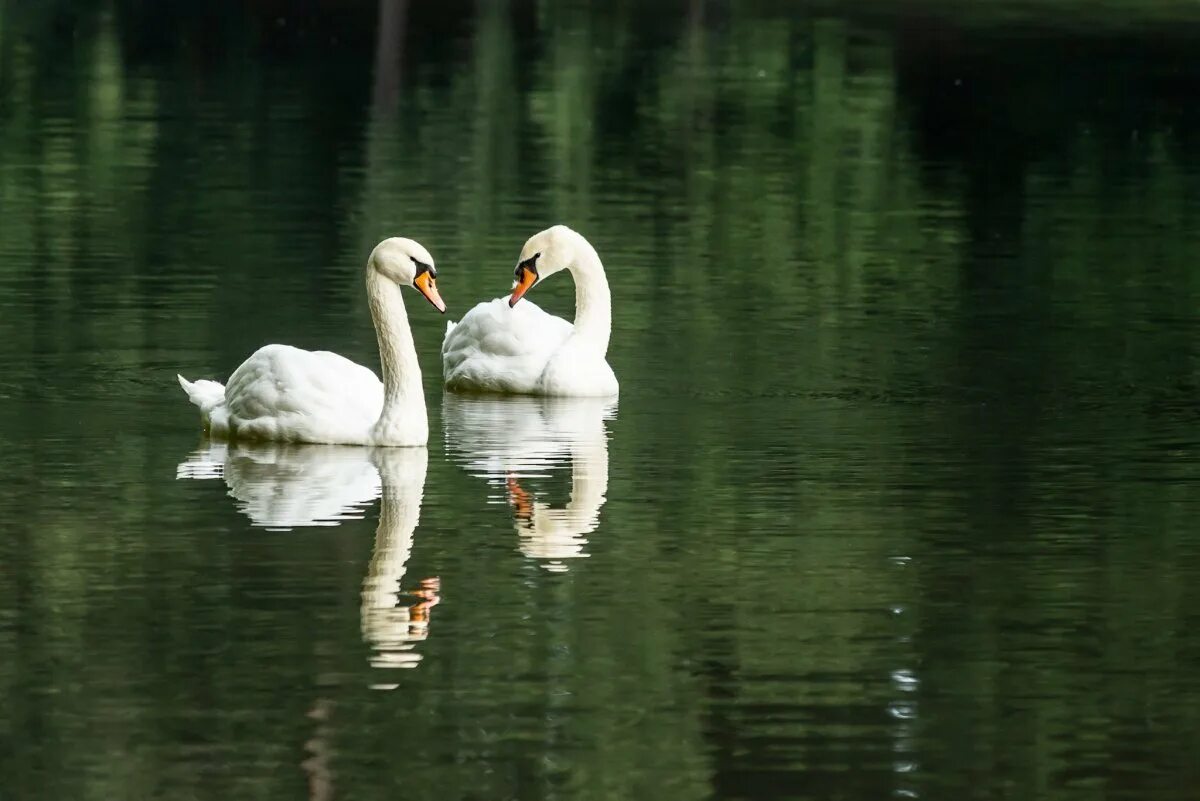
(298, 394)
(500, 349)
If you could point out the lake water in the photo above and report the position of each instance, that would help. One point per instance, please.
(899, 499)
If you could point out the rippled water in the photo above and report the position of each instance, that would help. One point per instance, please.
(899, 498)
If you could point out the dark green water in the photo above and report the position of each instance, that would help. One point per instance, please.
(899, 500)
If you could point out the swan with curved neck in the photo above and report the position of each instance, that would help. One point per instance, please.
(513, 347)
(285, 394)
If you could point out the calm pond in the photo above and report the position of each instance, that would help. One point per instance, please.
(899, 499)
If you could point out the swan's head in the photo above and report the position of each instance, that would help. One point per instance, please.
(408, 264)
(544, 254)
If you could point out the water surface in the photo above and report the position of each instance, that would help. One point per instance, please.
(898, 500)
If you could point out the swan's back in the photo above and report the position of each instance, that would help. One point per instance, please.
(286, 393)
(495, 348)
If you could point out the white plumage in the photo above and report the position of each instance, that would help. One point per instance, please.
(511, 346)
(498, 349)
(286, 394)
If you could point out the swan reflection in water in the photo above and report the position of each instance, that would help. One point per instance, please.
(281, 487)
(507, 439)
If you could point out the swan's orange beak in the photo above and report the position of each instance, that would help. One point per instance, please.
(527, 279)
(426, 284)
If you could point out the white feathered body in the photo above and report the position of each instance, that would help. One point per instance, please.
(286, 394)
(520, 350)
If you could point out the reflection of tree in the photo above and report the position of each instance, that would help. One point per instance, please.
(922, 293)
(389, 54)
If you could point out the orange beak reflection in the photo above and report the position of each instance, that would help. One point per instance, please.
(527, 279)
(521, 500)
(427, 286)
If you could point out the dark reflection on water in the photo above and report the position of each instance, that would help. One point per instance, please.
(899, 498)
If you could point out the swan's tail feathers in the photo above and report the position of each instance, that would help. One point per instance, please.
(207, 395)
(450, 326)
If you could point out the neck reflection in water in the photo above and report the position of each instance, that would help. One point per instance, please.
(506, 440)
(281, 487)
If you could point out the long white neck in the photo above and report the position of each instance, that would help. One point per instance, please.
(593, 301)
(403, 420)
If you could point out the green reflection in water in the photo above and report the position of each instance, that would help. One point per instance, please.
(898, 498)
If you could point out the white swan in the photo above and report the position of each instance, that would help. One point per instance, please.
(502, 346)
(290, 486)
(286, 394)
(505, 440)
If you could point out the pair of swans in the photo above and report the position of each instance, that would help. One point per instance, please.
(282, 486)
(285, 394)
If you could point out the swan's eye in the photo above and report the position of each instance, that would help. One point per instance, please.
(529, 264)
(422, 267)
